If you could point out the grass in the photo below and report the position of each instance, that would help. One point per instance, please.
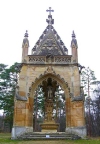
(5, 139)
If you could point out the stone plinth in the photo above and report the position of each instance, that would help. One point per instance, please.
(49, 127)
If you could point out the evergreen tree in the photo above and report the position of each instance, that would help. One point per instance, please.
(8, 80)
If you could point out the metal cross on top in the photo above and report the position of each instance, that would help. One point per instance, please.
(50, 10)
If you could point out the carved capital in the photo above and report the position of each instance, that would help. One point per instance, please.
(18, 97)
(77, 98)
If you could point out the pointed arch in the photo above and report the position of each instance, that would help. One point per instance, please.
(60, 81)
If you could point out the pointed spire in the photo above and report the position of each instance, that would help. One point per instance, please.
(26, 34)
(73, 35)
(73, 41)
(25, 40)
(50, 21)
(25, 46)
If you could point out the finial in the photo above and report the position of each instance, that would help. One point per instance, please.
(73, 34)
(50, 21)
(74, 39)
(26, 34)
(25, 39)
(50, 10)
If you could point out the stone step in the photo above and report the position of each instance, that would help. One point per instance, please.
(49, 134)
(44, 138)
(34, 136)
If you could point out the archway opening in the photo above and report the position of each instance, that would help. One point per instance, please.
(49, 106)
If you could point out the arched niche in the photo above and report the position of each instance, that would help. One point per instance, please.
(60, 81)
(64, 85)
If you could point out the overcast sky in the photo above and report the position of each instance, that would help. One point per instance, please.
(82, 16)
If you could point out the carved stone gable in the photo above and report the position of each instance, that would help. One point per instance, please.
(49, 47)
(49, 43)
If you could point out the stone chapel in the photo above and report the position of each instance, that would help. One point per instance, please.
(49, 66)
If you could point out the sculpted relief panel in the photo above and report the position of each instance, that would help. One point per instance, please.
(49, 58)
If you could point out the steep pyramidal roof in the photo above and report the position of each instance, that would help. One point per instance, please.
(49, 42)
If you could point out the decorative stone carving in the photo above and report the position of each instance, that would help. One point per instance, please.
(19, 66)
(62, 60)
(40, 75)
(49, 58)
(24, 61)
(80, 67)
(49, 70)
(29, 89)
(37, 59)
(18, 97)
(46, 50)
(78, 98)
(50, 42)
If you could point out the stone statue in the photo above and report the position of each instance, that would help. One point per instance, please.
(50, 92)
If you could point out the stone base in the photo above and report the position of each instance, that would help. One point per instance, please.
(18, 130)
(49, 127)
(48, 131)
(80, 131)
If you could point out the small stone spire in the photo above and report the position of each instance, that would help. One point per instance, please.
(25, 40)
(74, 41)
(25, 46)
(26, 34)
(73, 35)
(74, 48)
(50, 21)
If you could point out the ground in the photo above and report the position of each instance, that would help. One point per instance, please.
(5, 139)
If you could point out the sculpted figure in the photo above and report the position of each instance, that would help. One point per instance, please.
(50, 92)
